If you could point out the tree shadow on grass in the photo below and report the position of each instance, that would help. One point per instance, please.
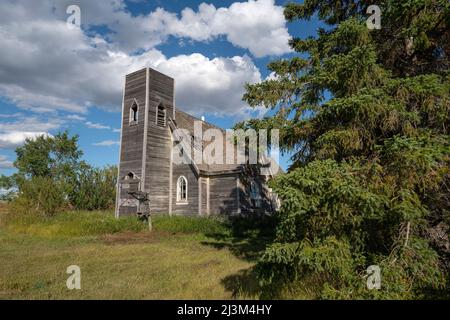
(249, 249)
(246, 238)
(243, 285)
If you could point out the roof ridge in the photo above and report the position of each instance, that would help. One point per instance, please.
(191, 116)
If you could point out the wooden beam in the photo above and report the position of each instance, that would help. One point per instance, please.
(207, 196)
(120, 151)
(171, 174)
(144, 147)
(238, 191)
(199, 196)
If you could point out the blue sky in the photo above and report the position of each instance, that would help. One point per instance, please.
(54, 79)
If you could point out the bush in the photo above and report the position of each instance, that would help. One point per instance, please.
(41, 196)
(94, 188)
(51, 176)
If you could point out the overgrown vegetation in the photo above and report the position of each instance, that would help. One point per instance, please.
(51, 178)
(126, 259)
(182, 224)
(370, 182)
(85, 223)
(119, 258)
(72, 224)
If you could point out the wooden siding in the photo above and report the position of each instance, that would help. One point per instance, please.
(191, 208)
(146, 151)
(132, 134)
(157, 159)
(223, 195)
(244, 194)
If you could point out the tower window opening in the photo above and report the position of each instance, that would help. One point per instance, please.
(161, 116)
(134, 112)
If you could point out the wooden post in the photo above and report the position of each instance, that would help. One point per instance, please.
(150, 226)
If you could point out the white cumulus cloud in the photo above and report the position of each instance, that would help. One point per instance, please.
(13, 140)
(5, 163)
(92, 125)
(14, 133)
(46, 66)
(107, 143)
(256, 25)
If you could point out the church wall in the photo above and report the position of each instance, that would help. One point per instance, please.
(191, 208)
(223, 195)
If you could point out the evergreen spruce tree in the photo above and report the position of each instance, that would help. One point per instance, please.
(369, 182)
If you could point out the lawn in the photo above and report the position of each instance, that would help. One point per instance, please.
(179, 259)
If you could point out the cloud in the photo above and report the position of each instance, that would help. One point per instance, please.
(13, 115)
(258, 26)
(13, 140)
(5, 163)
(13, 134)
(116, 130)
(206, 85)
(76, 117)
(31, 124)
(46, 66)
(96, 125)
(107, 143)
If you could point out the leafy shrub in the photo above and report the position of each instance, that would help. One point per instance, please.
(94, 188)
(51, 176)
(40, 196)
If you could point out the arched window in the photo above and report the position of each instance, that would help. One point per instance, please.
(134, 112)
(161, 116)
(182, 189)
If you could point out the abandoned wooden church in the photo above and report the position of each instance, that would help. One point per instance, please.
(149, 178)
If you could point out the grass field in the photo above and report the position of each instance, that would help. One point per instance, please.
(180, 259)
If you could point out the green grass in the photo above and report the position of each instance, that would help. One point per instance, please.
(73, 224)
(180, 224)
(183, 258)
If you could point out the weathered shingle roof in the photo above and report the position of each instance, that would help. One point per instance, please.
(185, 121)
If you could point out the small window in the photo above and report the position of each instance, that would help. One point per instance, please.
(255, 194)
(161, 116)
(134, 112)
(130, 176)
(182, 189)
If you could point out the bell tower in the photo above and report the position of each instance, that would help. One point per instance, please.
(145, 142)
